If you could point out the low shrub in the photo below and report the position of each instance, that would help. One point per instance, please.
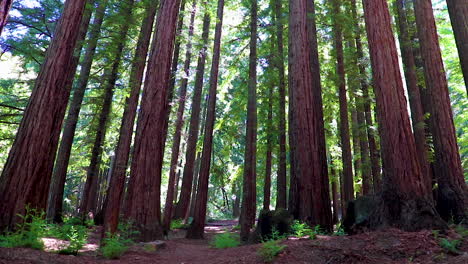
(115, 245)
(28, 233)
(450, 245)
(179, 224)
(225, 240)
(77, 235)
(270, 249)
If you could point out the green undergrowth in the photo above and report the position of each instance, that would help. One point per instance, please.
(115, 245)
(270, 249)
(225, 240)
(179, 224)
(33, 227)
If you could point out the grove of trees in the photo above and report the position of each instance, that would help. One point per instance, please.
(153, 111)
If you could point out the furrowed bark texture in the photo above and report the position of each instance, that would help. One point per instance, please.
(5, 6)
(249, 192)
(314, 195)
(143, 203)
(374, 152)
(268, 158)
(417, 112)
(281, 188)
(196, 230)
(122, 151)
(26, 176)
(452, 190)
(189, 172)
(179, 123)
(458, 11)
(348, 181)
(57, 185)
(88, 203)
(406, 202)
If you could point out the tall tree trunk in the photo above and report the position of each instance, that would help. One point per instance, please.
(143, 199)
(334, 193)
(348, 181)
(249, 192)
(55, 199)
(452, 191)
(281, 187)
(406, 202)
(324, 195)
(356, 154)
(88, 204)
(313, 184)
(26, 176)
(179, 123)
(417, 113)
(374, 153)
(268, 159)
(458, 11)
(122, 151)
(55, 205)
(187, 179)
(174, 67)
(5, 6)
(196, 230)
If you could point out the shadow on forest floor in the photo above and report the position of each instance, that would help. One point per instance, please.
(389, 246)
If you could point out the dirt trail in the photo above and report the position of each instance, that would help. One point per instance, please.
(390, 246)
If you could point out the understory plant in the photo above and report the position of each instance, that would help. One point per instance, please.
(270, 249)
(225, 240)
(28, 232)
(115, 245)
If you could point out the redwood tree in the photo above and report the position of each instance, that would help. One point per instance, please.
(26, 175)
(281, 188)
(458, 11)
(122, 151)
(314, 190)
(54, 210)
(452, 190)
(196, 230)
(406, 202)
(5, 6)
(143, 199)
(179, 123)
(189, 168)
(417, 112)
(348, 182)
(249, 192)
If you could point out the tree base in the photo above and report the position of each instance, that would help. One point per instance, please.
(373, 213)
(451, 204)
(195, 232)
(149, 233)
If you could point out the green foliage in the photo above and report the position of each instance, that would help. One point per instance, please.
(450, 245)
(270, 249)
(77, 235)
(28, 233)
(300, 229)
(178, 224)
(115, 245)
(225, 240)
(461, 230)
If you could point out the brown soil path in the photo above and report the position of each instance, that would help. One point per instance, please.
(390, 246)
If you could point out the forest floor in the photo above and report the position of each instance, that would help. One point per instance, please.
(390, 246)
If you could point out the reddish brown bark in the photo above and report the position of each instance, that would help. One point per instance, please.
(179, 123)
(196, 230)
(314, 190)
(194, 126)
(143, 202)
(406, 201)
(88, 203)
(334, 193)
(281, 188)
(268, 158)
(348, 181)
(26, 175)
(452, 190)
(458, 11)
(249, 193)
(374, 153)
(122, 151)
(417, 113)
(5, 6)
(57, 185)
